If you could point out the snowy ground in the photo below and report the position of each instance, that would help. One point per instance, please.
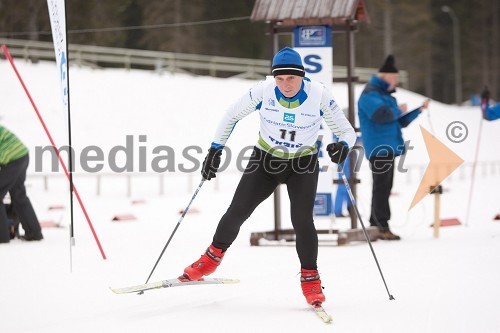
(449, 284)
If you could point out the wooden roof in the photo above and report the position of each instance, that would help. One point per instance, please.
(309, 12)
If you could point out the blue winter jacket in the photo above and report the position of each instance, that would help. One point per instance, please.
(491, 112)
(381, 120)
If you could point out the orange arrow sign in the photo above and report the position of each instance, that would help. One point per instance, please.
(443, 161)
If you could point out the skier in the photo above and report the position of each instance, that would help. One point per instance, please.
(489, 112)
(291, 109)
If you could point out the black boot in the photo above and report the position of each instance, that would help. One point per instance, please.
(31, 237)
(388, 235)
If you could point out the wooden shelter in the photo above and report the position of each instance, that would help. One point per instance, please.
(310, 12)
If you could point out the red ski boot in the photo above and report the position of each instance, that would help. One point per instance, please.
(311, 286)
(206, 265)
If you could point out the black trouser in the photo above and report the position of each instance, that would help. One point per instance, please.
(12, 177)
(383, 175)
(262, 175)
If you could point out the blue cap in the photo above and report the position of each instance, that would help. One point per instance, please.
(287, 62)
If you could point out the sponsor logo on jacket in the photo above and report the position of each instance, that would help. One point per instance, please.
(289, 117)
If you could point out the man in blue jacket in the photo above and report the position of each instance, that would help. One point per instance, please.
(381, 120)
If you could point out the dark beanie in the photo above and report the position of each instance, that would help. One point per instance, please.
(388, 66)
(287, 62)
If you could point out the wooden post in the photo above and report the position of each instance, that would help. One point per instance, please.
(437, 191)
(436, 214)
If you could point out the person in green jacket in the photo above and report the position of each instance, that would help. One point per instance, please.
(14, 160)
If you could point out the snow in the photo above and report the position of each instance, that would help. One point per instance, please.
(448, 284)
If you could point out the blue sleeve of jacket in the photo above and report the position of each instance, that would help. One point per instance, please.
(493, 112)
(378, 109)
(409, 117)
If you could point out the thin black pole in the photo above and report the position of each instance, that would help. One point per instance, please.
(70, 155)
(274, 45)
(344, 178)
(474, 164)
(173, 232)
(351, 116)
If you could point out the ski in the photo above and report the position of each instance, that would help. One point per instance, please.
(178, 282)
(318, 309)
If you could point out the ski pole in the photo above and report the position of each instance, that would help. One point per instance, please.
(430, 121)
(474, 164)
(346, 183)
(175, 229)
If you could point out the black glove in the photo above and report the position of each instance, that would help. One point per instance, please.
(485, 95)
(211, 163)
(338, 152)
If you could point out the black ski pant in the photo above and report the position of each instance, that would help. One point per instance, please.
(12, 178)
(383, 174)
(262, 175)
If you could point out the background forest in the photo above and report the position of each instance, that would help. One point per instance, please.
(418, 33)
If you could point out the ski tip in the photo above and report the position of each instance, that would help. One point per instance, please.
(120, 291)
(114, 290)
(327, 319)
(322, 314)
